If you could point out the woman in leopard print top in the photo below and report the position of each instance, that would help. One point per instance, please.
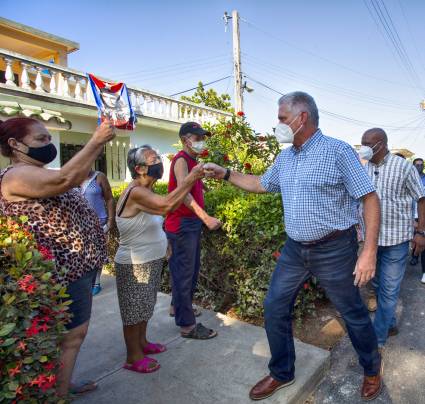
(58, 215)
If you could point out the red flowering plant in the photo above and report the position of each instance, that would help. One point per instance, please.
(235, 145)
(33, 314)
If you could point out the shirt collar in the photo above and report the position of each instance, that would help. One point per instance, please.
(383, 161)
(309, 144)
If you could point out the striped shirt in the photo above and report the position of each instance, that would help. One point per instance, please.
(320, 183)
(398, 184)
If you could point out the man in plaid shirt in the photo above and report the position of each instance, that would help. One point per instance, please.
(321, 182)
(398, 184)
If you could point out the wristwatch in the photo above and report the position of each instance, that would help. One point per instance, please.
(421, 232)
(227, 175)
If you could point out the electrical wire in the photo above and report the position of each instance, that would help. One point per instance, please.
(333, 114)
(204, 85)
(414, 42)
(331, 88)
(171, 66)
(386, 26)
(313, 54)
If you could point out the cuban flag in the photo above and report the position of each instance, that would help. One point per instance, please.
(113, 103)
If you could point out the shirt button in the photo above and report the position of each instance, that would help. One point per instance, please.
(295, 198)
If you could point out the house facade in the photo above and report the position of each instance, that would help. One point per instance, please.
(35, 81)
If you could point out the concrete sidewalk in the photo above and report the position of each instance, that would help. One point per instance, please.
(221, 370)
(404, 356)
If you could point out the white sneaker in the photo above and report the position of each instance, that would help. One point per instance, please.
(423, 278)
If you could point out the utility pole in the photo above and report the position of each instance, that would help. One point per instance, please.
(237, 62)
(237, 70)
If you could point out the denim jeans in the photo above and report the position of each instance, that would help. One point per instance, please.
(332, 263)
(184, 266)
(390, 268)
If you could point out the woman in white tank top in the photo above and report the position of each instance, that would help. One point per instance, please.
(141, 252)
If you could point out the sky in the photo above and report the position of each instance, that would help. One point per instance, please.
(360, 74)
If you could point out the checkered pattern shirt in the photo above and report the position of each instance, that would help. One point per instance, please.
(398, 185)
(320, 184)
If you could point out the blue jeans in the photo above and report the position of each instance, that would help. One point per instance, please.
(332, 263)
(390, 268)
(184, 264)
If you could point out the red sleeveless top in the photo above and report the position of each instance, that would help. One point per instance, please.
(173, 221)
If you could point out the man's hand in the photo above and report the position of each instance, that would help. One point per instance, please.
(365, 268)
(212, 223)
(418, 244)
(214, 171)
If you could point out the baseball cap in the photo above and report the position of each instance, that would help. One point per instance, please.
(193, 128)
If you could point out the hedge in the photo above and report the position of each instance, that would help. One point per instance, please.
(237, 261)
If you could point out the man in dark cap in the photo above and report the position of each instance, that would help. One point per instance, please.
(183, 228)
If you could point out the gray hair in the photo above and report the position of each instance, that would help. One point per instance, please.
(304, 103)
(136, 157)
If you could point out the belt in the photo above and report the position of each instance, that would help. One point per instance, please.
(329, 237)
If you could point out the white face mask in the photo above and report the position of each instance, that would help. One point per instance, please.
(366, 152)
(284, 133)
(198, 147)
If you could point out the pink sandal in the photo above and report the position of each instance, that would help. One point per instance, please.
(152, 349)
(142, 365)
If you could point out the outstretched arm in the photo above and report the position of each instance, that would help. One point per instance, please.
(247, 182)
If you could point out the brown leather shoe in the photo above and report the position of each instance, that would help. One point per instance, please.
(372, 385)
(266, 387)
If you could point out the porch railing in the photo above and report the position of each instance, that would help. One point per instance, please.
(26, 74)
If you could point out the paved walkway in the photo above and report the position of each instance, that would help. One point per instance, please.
(404, 357)
(221, 370)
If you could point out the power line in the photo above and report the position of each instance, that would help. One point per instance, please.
(341, 91)
(415, 44)
(204, 85)
(171, 66)
(390, 33)
(340, 65)
(329, 113)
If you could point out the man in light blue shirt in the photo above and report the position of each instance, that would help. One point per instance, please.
(321, 182)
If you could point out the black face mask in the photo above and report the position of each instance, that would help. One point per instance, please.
(156, 171)
(44, 154)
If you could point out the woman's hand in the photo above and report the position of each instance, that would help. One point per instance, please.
(104, 133)
(169, 251)
(197, 173)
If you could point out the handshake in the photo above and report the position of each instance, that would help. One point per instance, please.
(208, 170)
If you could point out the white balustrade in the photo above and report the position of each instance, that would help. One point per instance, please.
(39, 80)
(52, 84)
(65, 85)
(58, 81)
(25, 78)
(78, 93)
(9, 76)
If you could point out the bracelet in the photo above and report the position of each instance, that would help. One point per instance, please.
(227, 175)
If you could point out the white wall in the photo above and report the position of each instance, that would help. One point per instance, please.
(161, 140)
(56, 140)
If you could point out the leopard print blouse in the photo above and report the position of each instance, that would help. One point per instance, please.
(67, 226)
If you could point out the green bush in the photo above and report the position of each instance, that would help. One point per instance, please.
(33, 315)
(238, 260)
